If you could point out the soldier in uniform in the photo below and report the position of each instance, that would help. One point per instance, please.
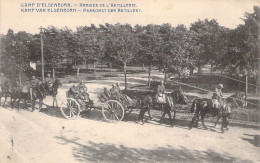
(49, 82)
(160, 96)
(83, 94)
(74, 91)
(105, 95)
(217, 95)
(34, 83)
(115, 93)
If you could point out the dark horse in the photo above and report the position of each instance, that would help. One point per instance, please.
(5, 90)
(53, 91)
(23, 93)
(40, 92)
(204, 106)
(144, 105)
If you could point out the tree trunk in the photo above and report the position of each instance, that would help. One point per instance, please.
(20, 79)
(246, 90)
(199, 69)
(77, 71)
(101, 64)
(94, 67)
(149, 76)
(165, 77)
(53, 73)
(143, 66)
(210, 77)
(125, 75)
(110, 66)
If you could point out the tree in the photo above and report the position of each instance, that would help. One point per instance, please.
(150, 42)
(124, 44)
(15, 54)
(209, 35)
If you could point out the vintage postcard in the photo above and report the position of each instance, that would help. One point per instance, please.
(129, 81)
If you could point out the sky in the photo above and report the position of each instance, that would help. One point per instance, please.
(227, 12)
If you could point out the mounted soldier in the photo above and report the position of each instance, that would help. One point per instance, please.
(160, 93)
(217, 101)
(49, 83)
(34, 84)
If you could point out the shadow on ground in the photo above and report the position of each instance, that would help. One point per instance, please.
(100, 152)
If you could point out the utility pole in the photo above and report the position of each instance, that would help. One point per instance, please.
(246, 89)
(42, 58)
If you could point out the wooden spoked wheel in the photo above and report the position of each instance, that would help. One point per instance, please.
(70, 108)
(113, 111)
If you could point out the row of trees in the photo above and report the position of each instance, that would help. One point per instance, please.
(171, 49)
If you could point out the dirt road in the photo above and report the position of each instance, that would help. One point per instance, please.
(40, 137)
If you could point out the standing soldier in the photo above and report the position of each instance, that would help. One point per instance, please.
(34, 83)
(49, 82)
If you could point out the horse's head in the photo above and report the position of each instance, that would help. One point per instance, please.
(179, 97)
(57, 83)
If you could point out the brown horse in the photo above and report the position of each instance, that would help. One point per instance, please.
(204, 106)
(5, 90)
(23, 93)
(53, 91)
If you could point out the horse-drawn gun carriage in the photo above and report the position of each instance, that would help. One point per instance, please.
(112, 109)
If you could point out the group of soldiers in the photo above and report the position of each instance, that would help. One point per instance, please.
(216, 97)
(114, 93)
(80, 92)
(32, 85)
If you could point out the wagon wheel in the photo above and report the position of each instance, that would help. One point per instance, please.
(113, 111)
(70, 108)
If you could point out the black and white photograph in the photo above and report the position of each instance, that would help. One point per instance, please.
(119, 81)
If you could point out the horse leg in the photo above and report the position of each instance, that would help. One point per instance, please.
(192, 121)
(5, 100)
(18, 104)
(163, 114)
(141, 115)
(33, 105)
(202, 121)
(218, 118)
(170, 117)
(40, 101)
(149, 114)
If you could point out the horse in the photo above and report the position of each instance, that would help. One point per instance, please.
(144, 105)
(204, 106)
(53, 91)
(23, 93)
(5, 90)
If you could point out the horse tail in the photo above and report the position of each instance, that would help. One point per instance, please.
(193, 106)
